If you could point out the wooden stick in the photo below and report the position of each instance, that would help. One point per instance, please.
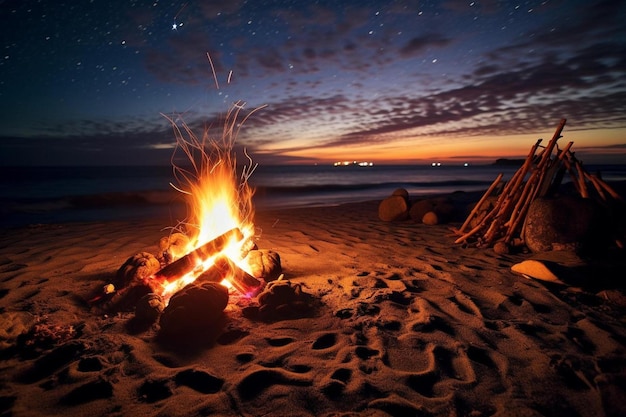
(581, 178)
(546, 159)
(572, 173)
(596, 184)
(475, 229)
(492, 187)
(554, 174)
(608, 189)
(521, 209)
(508, 210)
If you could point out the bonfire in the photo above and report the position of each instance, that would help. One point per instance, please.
(212, 253)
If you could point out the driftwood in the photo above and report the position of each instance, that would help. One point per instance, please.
(539, 176)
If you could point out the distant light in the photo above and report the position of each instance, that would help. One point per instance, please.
(466, 164)
(353, 163)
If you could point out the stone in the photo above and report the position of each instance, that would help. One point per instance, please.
(402, 192)
(193, 309)
(431, 218)
(445, 210)
(282, 300)
(419, 209)
(565, 223)
(264, 264)
(149, 308)
(441, 208)
(536, 269)
(393, 208)
(137, 268)
(501, 248)
(173, 247)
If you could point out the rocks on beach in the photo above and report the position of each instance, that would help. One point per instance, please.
(430, 211)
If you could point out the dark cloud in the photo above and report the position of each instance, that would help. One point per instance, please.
(419, 44)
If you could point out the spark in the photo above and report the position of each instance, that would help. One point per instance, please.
(213, 70)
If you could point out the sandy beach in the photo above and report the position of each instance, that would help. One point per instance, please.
(402, 322)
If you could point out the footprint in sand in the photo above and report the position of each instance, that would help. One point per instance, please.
(325, 341)
(200, 381)
(257, 380)
(446, 369)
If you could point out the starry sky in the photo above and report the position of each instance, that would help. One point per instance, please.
(89, 82)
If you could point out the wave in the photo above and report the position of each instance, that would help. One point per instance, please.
(426, 185)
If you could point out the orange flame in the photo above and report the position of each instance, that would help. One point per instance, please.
(217, 199)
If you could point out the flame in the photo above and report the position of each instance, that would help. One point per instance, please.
(217, 198)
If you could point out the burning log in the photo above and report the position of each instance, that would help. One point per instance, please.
(190, 262)
(234, 276)
(140, 275)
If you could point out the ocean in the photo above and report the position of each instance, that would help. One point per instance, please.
(45, 195)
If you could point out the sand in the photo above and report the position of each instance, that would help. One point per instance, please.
(405, 324)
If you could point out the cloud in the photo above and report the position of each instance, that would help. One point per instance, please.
(417, 45)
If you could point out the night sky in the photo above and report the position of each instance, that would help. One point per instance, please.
(88, 82)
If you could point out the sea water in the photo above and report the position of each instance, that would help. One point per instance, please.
(35, 195)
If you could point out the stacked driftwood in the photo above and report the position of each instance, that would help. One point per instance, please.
(541, 174)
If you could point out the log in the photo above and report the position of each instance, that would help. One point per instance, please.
(189, 262)
(243, 282)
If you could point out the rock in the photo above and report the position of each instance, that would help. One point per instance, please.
(441, 208)
(445, 210)
(402, 192)
(149, 308)
(393, 208)
(532, 268)
(419, 209)
(136, 268)
(173, 247)
(284, 300)
(431, 218)
(565, 223)
(614, 296)
(501, 248)
(264, 264)
(194, 309)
